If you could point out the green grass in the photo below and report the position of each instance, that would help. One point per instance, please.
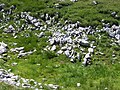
(83, 10)
(58, 69)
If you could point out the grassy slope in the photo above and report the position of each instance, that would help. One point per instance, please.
(83, 10)
(58, 70)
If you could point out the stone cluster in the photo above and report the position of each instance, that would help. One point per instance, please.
(21, 52)
(66, 38)
(113, 32)
(9, 78)
(69, 38)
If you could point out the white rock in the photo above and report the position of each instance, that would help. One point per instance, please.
(94, 2)
(34, 21)
(14, 64)
(64, 48)
(60, 52)
(90, 50)
(78, 84)
(84, 42)
(2, 50)
(17, 84)
(72, 60)
(53, 48)
(67, 53)
(41, 34)
(20, 48)
(88, 55)
(1, 57)
(37, 24)
(78, 56)
(117, 36)
(3, 44)
(73, 0)
(85, 61)
(30, 18)
(52, 41)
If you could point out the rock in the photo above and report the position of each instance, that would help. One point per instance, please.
(78, 56)
(21, 54)
(113, 13)
(67, 53)
(41, 34)
(52, 41)
(55, 87)
(64, 48)
(57, 5)
(60, 52)
(88, 55)
(10, 29)
(30, 18)
(33, 21)
(18, 84)
(3, 44)
(117, 36)
(73, 0)
(95, 2)
(86, 59)
(14, 64)
(72, 60)
(112, 34)
(2, 6)
(84, 43)
(90, 50)
(118, 31)
(37, 24)
(53, 48)
(3, 48)
(13, 7)
(78, 84)
(1, 57)
(25, 85)
(18, 49)
(118, 42)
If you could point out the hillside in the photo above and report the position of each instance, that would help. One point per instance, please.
(60, 44)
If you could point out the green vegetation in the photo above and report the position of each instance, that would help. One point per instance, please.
(47, 67)
(83, 10)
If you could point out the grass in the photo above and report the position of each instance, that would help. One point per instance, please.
(47, 67)
(83, 10)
